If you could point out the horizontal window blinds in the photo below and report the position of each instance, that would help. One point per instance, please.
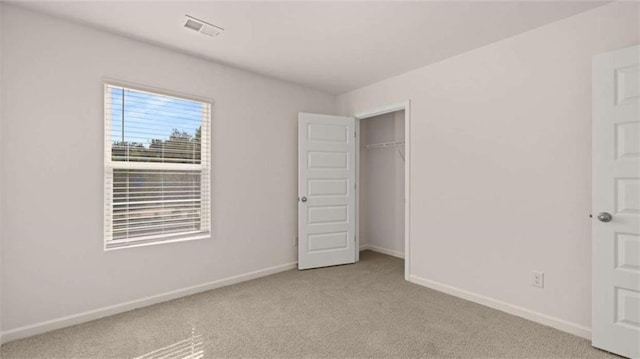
(156, 167)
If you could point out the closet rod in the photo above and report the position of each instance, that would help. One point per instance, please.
(384, 145)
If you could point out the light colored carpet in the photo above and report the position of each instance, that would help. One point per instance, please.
(365, 310)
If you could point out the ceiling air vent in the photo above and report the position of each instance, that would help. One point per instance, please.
(202, 27)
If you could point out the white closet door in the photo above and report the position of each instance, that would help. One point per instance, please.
(326, 190)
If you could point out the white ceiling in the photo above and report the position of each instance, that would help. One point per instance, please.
(332, 46)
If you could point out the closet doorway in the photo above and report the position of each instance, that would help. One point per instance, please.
(382, 174)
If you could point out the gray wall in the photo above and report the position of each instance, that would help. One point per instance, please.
(53, 263)
(501, 164)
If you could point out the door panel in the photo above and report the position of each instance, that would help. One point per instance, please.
(326, 196)
(328, 160)
(616, 191)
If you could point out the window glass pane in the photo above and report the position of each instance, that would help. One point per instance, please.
(155, 202)
(154, 128)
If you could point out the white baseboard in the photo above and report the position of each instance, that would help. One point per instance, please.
(563, 325)
(49, 325)
(378, 249)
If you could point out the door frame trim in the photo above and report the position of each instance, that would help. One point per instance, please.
(406, 106)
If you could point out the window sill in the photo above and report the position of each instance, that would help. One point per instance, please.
(134, 244)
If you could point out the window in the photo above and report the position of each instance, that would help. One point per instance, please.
(156, 168)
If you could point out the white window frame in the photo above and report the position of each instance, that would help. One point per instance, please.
(109, 165)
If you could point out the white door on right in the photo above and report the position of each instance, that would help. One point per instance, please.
(616, 202)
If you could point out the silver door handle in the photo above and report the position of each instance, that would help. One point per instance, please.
(303, 199)
(604, 217)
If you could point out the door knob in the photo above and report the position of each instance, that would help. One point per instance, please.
(604, 217)
(303, 199)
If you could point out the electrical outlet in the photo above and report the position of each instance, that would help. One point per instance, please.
(537, 279)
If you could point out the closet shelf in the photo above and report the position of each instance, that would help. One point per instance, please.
(385, 145)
